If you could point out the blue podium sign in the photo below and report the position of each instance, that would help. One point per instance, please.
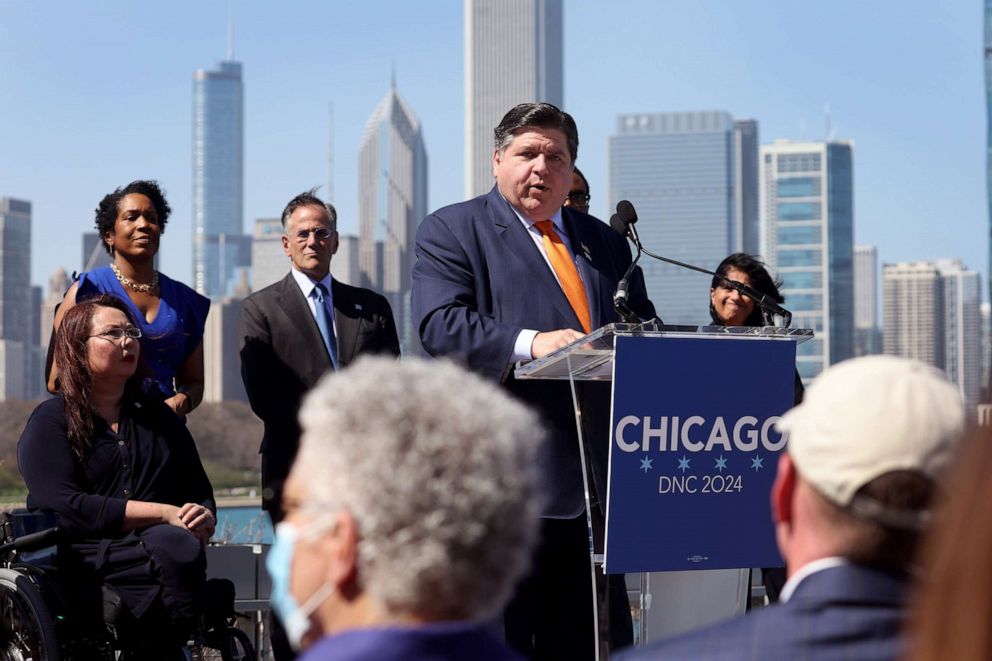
(693, 452)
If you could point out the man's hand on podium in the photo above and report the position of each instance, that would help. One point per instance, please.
(545, 343)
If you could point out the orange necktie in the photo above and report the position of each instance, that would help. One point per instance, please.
(568, 275)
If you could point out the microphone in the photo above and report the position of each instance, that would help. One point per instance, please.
(622, 223)
(626, 216)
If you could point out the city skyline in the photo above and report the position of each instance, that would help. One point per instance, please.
(920, 172)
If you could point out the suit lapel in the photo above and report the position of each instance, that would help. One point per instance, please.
(296, 309)
(520, 246)
(346, 321)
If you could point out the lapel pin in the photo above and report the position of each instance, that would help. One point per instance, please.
(585, 251)
(358, 306)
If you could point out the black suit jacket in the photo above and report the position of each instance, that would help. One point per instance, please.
(283, 356)
(480, 279)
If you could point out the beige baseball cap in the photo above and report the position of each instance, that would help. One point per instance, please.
(868, 416)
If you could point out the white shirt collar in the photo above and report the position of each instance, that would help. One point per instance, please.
(306, 285)
(806, 571)
(528, 223)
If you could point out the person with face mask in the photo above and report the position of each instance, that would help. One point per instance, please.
(411, 512)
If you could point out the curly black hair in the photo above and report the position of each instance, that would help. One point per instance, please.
(761, 282)
(106, 213)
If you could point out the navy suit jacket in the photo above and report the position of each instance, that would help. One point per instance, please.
(842, 613)
(479, 280)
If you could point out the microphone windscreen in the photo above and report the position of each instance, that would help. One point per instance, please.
(618, 225)
(626, 212)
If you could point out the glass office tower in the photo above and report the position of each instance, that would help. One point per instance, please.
(218, 178)
(807, 215)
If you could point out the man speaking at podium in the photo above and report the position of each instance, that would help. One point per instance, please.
(511, 276)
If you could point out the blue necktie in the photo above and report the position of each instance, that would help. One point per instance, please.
(325, 325)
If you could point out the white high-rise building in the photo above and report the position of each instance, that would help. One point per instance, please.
(221, 362)
(58, 284)
(932, 312)
(392, 200)
(912, 312)
(513, 54)
(344, 264)
(807, 238)
(269, 263)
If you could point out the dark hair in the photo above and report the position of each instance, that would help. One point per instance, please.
(761, 282)
(536, 115)
(583, 178)
(75, 377)
(952, 601)
(310, 199)
(870, 541)
(106, 213)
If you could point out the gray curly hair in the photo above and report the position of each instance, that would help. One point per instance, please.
(438, 469)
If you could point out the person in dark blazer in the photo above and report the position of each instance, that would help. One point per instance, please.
(289, 339)
(853, 494)
(511, 276)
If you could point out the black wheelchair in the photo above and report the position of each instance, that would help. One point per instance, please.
(39, 623)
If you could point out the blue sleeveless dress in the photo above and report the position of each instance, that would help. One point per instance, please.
(168, 340)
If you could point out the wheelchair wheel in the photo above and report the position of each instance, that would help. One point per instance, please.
(228, 644)
(27, 630)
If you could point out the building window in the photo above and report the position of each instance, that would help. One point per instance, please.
(798, 211)
(798, 187)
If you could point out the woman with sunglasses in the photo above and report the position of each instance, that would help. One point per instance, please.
(170, 315)
(123, 476)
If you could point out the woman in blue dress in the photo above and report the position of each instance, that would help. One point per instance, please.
(171, 315)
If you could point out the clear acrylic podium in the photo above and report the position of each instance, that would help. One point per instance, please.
(591, 358)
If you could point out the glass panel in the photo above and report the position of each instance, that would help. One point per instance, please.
(798, 211)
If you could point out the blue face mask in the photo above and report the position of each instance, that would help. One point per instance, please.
(279, 563)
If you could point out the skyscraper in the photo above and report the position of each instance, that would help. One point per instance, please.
(218, 178)
(988, 146)
(221, 362)
(867, 337)
(344, 265)
(913, 312)
(392, 200)
(690, 175)
(932, 312)
(962, 292)
(807, 217)
(513, 54)
(746, 233)
(58, 284)
(94, 254)
(269, 263)
(18, 334)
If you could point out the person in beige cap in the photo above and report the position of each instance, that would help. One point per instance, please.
(852, 496)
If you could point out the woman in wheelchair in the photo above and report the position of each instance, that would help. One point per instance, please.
(121, 472)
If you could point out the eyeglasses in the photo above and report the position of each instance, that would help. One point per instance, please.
(120, 333)
(319, 233)
(579, 198)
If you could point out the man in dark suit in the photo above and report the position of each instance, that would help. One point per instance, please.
(851, 499)
(295, 330)
(512, 276)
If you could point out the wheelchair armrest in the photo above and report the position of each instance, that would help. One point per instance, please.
(33, 541)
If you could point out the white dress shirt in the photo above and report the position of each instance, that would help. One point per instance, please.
(521, 348)
(307, 286)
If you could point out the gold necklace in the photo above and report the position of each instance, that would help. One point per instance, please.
(136, 286)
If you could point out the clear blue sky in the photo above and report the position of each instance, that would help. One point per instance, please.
(95, 94)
